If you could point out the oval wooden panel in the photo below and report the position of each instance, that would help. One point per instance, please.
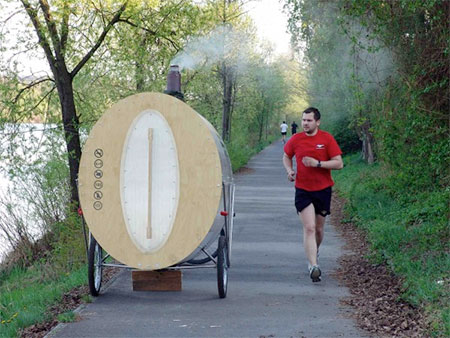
(150, 181)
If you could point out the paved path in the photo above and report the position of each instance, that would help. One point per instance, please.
(269, 293)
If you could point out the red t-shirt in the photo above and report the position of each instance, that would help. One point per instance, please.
(321, 146)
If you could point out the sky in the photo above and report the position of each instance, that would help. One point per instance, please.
(271, 23)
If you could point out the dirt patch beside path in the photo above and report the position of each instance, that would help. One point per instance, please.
(244, 171)
(69, 302)
(375, 291)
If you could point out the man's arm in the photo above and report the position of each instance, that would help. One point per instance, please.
(333, 163)
(287, 162)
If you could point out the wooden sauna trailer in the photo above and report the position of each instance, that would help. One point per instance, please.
(156, 190)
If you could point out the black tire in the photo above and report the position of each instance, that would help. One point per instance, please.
(222, 267)
(95, 267)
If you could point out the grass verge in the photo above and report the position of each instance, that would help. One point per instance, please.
(406, 228)
(26, 294)
(240, 151)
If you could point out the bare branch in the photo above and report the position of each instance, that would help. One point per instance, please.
(31, 85)
(100, 40)
(54, 36)
(168, 14)
(155, 33)
(41, 100)
(32, 13)
(127, 21)
(65, 27)
(188, 79)
(11, 16)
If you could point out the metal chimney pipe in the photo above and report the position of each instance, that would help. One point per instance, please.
(174, 82)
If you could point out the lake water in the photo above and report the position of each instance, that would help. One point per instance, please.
(31, 142)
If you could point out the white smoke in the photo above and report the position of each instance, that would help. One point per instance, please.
(222, 44)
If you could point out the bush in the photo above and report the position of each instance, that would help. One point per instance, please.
(346, 137)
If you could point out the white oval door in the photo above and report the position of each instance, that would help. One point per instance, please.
(149, 176)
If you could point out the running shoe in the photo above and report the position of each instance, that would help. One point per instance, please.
(315, 273)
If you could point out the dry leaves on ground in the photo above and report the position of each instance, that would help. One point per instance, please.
(375, 291)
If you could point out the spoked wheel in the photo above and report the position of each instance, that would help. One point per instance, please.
(222, 267)
(95, 267)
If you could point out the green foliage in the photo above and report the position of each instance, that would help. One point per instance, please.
(414, 141)
(241, 148)
(408, 229)
(67, 317)
(68, 246)
(346, 137)
(383, 66)
(260, 91)
(26, 294)
(35, 219)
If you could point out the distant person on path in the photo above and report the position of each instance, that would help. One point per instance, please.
(294, 128)
(316, 153)
(284, 128)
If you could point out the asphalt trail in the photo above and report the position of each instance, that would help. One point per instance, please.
(269, 293)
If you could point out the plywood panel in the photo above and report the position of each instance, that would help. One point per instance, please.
(199, 183)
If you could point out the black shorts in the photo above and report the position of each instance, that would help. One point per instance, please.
(320, 199)
(283, 133)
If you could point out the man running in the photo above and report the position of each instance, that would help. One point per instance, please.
(294, 128)
(316, 153)
(284, 128)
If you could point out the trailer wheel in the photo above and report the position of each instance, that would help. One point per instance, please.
(95, 267)
(222, 267)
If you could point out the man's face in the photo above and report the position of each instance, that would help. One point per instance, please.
(309, 124)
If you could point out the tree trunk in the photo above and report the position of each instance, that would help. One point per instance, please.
(261, 127)
(261, 123)
(367, 144)
(63, 78)
(227, 82)
(139, 77)
(71, 129)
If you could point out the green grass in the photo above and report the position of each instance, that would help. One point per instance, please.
(26, 294)
(408, 229)
(67, 317)
(240, 150)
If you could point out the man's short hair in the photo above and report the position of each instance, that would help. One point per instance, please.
(313, 110)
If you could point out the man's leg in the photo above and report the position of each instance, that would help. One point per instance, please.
(308, 218)
(320, 222)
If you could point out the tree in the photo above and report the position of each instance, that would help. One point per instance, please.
(71, 33)
(229, 14)
(270, 93)
(55, 46)
(341, 73)
(392, 68)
